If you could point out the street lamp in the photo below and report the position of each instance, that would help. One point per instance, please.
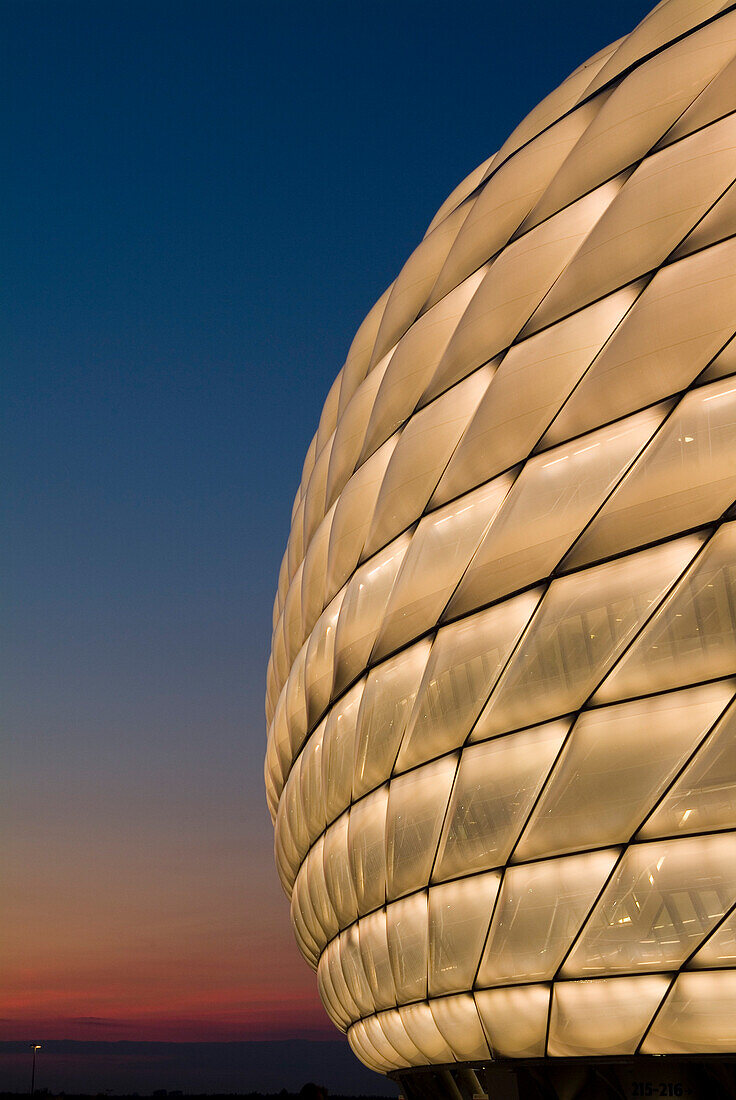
(34, 1048)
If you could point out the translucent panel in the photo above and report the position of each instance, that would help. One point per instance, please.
(297, 541)
(720, 947)
(312, 791)
(307, 943)
(531, 382)
(699, 1016)
(496, 785)
(280, 659)
(319, 899)
(328, 996)
(284, 575)
(351, 962)
(356, 364)
(553, 106)
(515, 1020)
(460, 193)
(515, 285)
(279, 735)
(376, 962)
(299, 495)
(288, 859)
(686, 476)
(704, 797)
(388, 698)
(362, 611)
(693, 636)
(675, 328)
(328, 419)
(273, 763)
(339, 750)
(397, 1036)
(350, 432)
(304, 923)
(423, 1031)
(337, 872)
(276, 611)
(291, 834)
(538, 914)
(718, 223)
(459, 915)
(421, 455)
(416, 279)
(285, 876)
(583, 623)
(723, 364)
(293, 635)
(366, 1051)
(440, 550)
(313, 575)
(296, 702)
(457, 1018)
(609, 774)
(367, 848)
(360, 1050)
(406, 921)
(665, 23)
(342, 993)
(553, 498)
(508, 197)
(295, 547)
(607, 1017)
(271, 693)
(414, 361)
(656, 208)
(272, 797)
(465, 661)
(314, 499)
(662, 901)
(717, 100)
(416, 807)
(320, 666)
(639, 111)
(377, 1038)
(301, 904)
(353, 514)
(309, 957)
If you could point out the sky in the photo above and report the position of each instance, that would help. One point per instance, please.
(200, 203)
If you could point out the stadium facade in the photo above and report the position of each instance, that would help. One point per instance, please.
(501, 697)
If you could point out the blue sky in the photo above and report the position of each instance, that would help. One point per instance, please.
(201, 201)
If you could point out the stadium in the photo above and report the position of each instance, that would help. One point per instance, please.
(501, 698)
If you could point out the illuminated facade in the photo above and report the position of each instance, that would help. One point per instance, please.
(502, 692)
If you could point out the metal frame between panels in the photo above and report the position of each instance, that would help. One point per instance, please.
(644, 278)
(624, 845)
(588, 703)
(675, 396)
(460, 1079)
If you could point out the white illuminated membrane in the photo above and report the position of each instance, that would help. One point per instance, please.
(501, 756)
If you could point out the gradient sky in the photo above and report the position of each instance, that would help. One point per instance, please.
(200, 202)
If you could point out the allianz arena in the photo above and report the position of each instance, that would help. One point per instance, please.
(501, 696)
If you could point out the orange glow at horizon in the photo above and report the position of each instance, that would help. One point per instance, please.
(144, 932)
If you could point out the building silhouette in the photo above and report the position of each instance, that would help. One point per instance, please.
(501, 696)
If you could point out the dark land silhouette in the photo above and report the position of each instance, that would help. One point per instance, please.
(279, 1067)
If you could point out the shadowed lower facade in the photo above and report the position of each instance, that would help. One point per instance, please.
(501, 696)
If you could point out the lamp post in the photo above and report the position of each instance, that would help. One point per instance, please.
(34, 1048)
